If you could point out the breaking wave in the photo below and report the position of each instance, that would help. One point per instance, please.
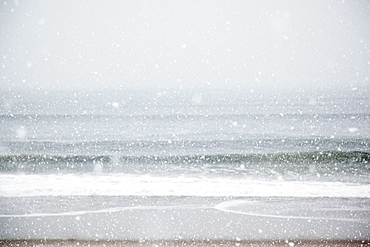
(86, 163)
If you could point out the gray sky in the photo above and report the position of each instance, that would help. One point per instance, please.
(98, 44)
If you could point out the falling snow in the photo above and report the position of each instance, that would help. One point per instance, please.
(184, 123)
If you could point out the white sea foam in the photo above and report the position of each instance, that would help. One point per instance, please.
(105, 210)
(16, 185)
(289, 211)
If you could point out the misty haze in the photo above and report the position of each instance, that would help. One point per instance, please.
(207, 44)
(171, 123)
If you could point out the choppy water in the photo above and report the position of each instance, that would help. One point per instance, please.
(184, 143)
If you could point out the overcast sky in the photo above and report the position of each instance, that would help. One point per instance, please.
(98, 44)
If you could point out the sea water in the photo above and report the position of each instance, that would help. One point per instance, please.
(185, 143)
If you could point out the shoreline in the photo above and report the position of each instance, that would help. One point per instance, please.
(172, 221)
(183, 242)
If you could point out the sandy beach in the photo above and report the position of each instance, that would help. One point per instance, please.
(195, 243)
(184, 221)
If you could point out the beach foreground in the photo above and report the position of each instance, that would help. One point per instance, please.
(184, 221)
(195, 243)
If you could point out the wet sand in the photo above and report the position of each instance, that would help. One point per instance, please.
(184, 221)
(195, 243)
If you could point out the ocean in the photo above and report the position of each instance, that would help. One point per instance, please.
(194, 144)
(184, 143)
